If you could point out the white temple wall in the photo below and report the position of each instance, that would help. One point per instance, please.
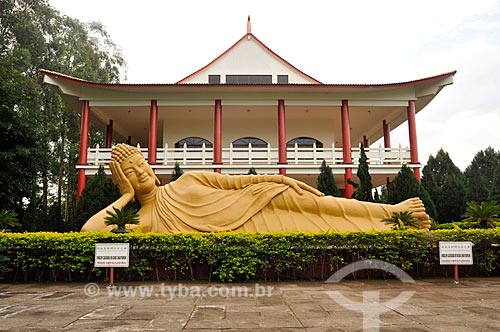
(233, 129)
(248, 58)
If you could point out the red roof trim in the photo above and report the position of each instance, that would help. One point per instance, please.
(262, 45)
(147, 85)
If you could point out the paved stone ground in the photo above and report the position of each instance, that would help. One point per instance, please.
(436, 305)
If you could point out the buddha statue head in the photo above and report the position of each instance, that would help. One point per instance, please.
(134, 167)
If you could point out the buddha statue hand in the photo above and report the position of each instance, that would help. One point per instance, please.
(300, 187)
(119, 178)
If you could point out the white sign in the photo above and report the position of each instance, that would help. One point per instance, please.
(111, 255)
(455, 253)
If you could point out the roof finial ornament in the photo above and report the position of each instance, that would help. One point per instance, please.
(249, 25)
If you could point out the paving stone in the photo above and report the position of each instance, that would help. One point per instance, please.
(437, 305)
(105, 312)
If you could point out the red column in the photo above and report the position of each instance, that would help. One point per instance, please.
(153, 132)
(366, 142)
(387, 142)
(109, 134)
(346, 147)
(84, 146)
(281, 136)
(387, 134)
(412, 128)
(218, 134)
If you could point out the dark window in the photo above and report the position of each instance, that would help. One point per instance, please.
(304, 142)
(282, 79)
(249, 79)
(213, 79)
(244, 141)
(193, 142)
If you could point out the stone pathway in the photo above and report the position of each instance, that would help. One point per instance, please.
(433, 305)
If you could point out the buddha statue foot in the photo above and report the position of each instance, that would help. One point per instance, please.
(416, 206)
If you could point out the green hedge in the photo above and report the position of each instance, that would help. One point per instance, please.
(238, 256)
(460, 224)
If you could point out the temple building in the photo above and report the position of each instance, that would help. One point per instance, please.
(247, 108)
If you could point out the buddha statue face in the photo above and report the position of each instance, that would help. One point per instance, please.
(139, 173)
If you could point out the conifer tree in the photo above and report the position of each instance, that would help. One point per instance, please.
(326, 182)
(405, 186)
(445, 183)
(252, 171)
(363, 190)
(479, 175)
(494, 194)
(176, 173)
(99, 192)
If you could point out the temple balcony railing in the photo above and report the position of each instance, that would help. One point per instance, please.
(200, 157)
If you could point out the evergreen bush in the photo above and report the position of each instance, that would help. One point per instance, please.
(177, 173)
(99, 192)
(405, 186)
(326, 182)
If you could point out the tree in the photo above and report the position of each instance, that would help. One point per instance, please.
(99, 192)
(446, 185)
(487, 214)
(326, 182)
(405, 186)
(494, 194)
(177, 173)
(479, 174)
(252, 171)
(363, 190)
(39, 134)
(121, 218)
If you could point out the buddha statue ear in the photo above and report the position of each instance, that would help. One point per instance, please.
(157, 181)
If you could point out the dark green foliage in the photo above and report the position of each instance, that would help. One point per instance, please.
(479, 175)
(4, 269)
(384, 194)
(487, 214)
(177, 173)
(446, 186)
(460, 225)
(405, 186)
(121, 218)
(494, 194)
(99, 192)
(39, 135)
(403, 220)
(326, 182)
(252, 171)
(363, 190)
(8, 220)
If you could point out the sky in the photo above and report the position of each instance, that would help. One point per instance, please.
(359, 41)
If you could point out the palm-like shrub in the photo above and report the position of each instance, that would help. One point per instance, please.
(487, 214)
(122, 217)
(8, 219)
(403, 220)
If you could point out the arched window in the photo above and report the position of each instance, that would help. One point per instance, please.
(304, 142)
(244, 141)
(193, 142)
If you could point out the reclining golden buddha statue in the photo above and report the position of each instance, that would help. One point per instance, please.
(211, 202)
